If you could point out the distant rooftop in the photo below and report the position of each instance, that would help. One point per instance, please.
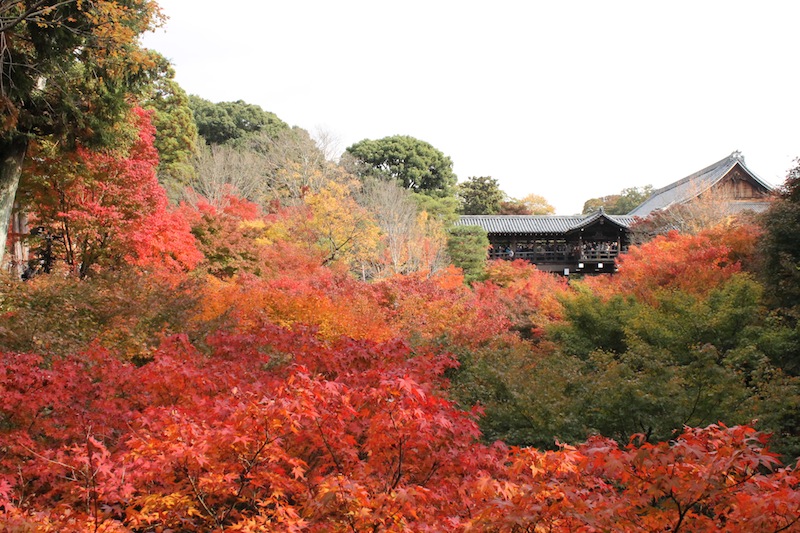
(695, 184)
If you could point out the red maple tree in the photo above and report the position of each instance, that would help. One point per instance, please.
(277, 429)
(95, 209)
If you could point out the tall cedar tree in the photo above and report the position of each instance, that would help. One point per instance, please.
(68, 71)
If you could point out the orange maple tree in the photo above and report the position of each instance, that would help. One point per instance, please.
(530, 297)
(709, 479)
(695, 264)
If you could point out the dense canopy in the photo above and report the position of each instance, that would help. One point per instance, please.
(415, 164)
(309, 344)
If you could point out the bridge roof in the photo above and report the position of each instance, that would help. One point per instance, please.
(539, 224)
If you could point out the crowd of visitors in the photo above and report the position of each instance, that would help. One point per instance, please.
(554, 250)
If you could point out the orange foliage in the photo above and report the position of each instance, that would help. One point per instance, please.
(415, 306)
(695, 264)
(440, 307)
(741, 239)
(530, 297)
(333, 303)
(711, 479)
(228, 237)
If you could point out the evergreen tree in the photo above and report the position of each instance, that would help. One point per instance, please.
(467, 246)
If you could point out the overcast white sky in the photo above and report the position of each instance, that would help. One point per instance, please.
(570, 100)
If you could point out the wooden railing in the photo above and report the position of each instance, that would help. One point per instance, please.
(535, 257)
(557, 257)
(595, 255)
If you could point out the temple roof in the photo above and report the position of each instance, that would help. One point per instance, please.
(539, 224)
(694, 185)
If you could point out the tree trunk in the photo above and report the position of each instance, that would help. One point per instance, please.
(12, 153)
(19, 250)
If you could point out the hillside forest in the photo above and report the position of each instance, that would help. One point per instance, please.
(212, 321)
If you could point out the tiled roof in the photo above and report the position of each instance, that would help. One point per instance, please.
(620, 220)
(542, 224)
(691, 186)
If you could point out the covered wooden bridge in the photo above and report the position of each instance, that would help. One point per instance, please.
(586, 244)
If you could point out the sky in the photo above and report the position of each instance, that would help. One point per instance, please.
(569, 100)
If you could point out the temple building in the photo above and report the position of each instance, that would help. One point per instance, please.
(727, 182)
(564, 244)
(589, 244)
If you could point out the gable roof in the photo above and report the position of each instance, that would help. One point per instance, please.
(539, 224)
(694, 185)
(587, 220)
